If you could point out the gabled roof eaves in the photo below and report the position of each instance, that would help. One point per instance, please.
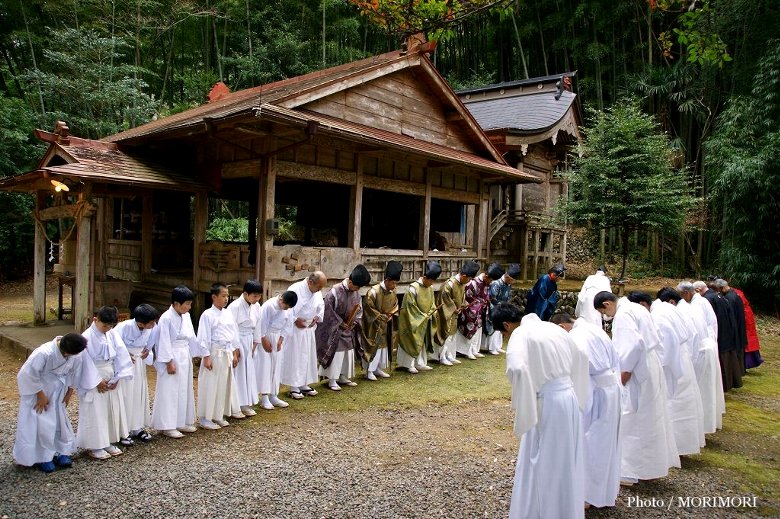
(521, 113)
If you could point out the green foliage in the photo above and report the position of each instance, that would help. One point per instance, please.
(228, 230)
(744, 161)
(18, 149)
(17, 233)
(698, 35)
(89, 86)
(623, 176)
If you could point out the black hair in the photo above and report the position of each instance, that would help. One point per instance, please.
(561, 318)
(495, 271)
(145, 314)
(290, 298)
(73, 343)
(505, 313)
(470, 268)
(667, 294)
(216, 288)
(181, 294)
(253, 286)
(602, 297)
(432, 270)
(639, 297)
(107, 315)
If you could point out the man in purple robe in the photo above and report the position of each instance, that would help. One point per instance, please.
(338, 336)
(471, 319)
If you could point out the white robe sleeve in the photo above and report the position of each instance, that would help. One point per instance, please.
(580, 374)
(29, 378)
(123, 364)
(164, 342)
(86, 376)
(523, 390)
(203, 338)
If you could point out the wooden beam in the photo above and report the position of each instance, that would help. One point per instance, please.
(288, 169)
(199, 235)
(463, 197)
(425, 222)
(39, 267)
(147, 225)
(241, 169)
(356, 212)
(397, 186)
(63, 211)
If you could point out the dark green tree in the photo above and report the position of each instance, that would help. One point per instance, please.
(624, 178)
(743, 159)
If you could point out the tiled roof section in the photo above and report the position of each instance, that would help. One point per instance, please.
(518, 83)
(242, 101)
(112, 166)
(523, 113)
(362, 133)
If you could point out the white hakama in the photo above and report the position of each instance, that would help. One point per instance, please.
(601, 417)
(381, 361)
(343, 365)
(275, 322)
(683, 397)
(647, 439)
(246, 317)
(468, 347)
(299, 357)
(707, 365)
(549, 377)
(102, 416)
(218, 337)
(404, 360)
(174, 398)
(39, 436)
(136, 389)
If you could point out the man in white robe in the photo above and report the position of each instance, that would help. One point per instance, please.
(173, 412)
(137, 336)
(46, 382)
(102, 415)
(595, 283)
(601, 416)
(246, 314)
(218, 339)
(706, 364)
(275, 325)
(647, 439)
(683, 397)
(299, 357)
(549, 377)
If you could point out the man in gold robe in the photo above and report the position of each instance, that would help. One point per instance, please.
(379, 307)
(417, 321)
(451, 303)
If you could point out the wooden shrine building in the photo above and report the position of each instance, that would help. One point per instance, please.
(534, 123)
(375, 160)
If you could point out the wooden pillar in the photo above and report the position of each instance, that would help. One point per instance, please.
(356, 208)
(524, 253)
(489, 220)
(267, 210)
(147, 224)
(535, 252)
(483, 226)
(563, 247)
(82, 309)
(198, 235)
(425, 221)
(39, 266)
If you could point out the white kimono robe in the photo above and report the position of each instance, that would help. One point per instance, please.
(706, 364)
(647, 439)
(218, 337)
(683, 396)
(246, 317)
(299, 355)
(136, 389)
(595, 283)
(274, 323)
(549, 377)
(601, 417)
(102, 416)
(40, 436)
(174, 399)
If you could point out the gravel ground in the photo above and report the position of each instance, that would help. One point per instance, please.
(453, 461)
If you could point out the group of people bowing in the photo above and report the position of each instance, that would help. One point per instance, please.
(247, 350)
(594, 412)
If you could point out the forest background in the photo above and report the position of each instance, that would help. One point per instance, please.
(707, 71)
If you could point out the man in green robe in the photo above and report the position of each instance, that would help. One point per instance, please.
(379, 307)
(451, 302)
(417, 321)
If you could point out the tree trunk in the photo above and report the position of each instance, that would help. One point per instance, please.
(624, 251)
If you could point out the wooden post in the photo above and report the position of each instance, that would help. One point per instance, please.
(198, 236)
(39, 266)
(82, 311)
(425, 221)
(524, 252)
(489, 219)
(356, 212)
(266, 242)
(483, 227)
(563, 247)
(536, 254)
(147, 223)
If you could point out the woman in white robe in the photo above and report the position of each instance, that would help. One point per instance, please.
(549, 377)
